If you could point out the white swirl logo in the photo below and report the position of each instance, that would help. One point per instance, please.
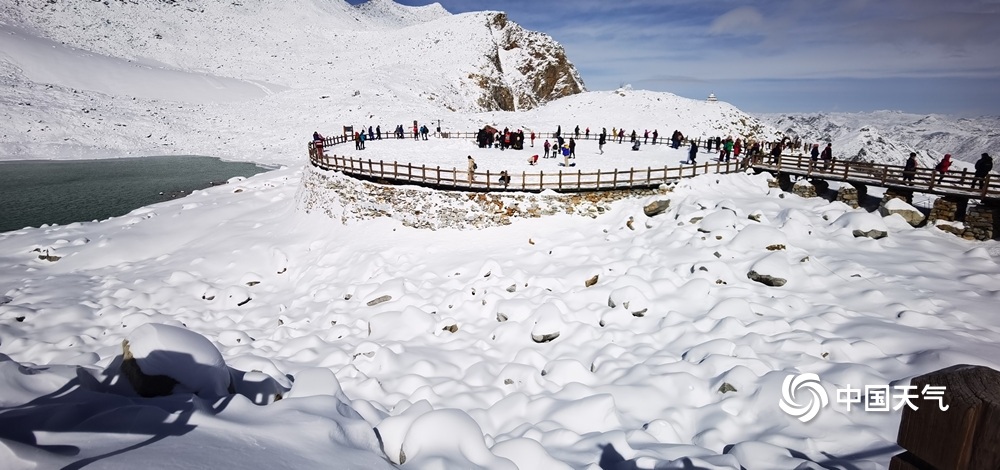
(793, 384)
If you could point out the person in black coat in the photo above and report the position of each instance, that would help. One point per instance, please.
(983, 167)
(693, 153)
(910, 169)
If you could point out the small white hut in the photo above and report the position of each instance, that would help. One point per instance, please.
(711, 98)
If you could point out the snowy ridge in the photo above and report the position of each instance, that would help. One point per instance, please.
(395, 15)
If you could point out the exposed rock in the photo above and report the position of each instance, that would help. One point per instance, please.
(766, 279)
(656, 207)
(378, 300)
(591, 281)
(726, 388)
(544, 338)
(873, 233)
(531, 70)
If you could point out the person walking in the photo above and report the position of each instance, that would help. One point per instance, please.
(814, 153)
(572, 147)
(776, 153)
(655, 135)
(532, 138)
(827, 156)
(602, 139)
(693, 153)
(645, 137)
(983, 167)
(472, 169)
(318, 143)
(943, 166)
(546, 146)
(586, 133)
(910, 169)
(727, 150)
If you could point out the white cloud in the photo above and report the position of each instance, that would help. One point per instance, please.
(738, 21)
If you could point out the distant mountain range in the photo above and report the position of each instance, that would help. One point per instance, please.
(890, 136)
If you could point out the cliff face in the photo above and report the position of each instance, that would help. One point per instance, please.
(528, 68)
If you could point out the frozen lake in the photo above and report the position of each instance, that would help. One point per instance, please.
(36, 192)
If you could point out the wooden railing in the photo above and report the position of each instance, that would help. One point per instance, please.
(561, 181)
(959, 183)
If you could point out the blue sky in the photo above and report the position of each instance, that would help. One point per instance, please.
(919, 56)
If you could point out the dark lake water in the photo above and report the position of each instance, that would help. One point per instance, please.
(39, 192)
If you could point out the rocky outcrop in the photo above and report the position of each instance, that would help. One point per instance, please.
(529, 69)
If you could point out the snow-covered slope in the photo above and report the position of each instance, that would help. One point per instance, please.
(304, 42)
(890, 136)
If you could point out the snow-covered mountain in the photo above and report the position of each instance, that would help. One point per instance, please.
(890, 136)
(299, 42)
(251, 80)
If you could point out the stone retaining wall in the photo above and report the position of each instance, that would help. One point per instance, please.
(344, 198)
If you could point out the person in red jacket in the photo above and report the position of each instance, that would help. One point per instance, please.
(943, 166)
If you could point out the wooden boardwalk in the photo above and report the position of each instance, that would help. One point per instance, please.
(925, 180)
(460, 179)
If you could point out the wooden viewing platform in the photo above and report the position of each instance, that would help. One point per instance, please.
(926, 180)
(459, 179)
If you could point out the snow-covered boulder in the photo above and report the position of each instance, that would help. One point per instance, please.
(161, 359)
(862, 224)
(898, 206)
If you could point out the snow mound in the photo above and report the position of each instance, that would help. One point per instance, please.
(181, 354)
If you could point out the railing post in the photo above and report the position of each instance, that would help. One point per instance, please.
(560, 180)
(541, 179)
(524, 176)
(438, 175)
(631, 175)
(579, 180)
(598, 178)
(488, 178)
(649, 175)
(956, 428)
